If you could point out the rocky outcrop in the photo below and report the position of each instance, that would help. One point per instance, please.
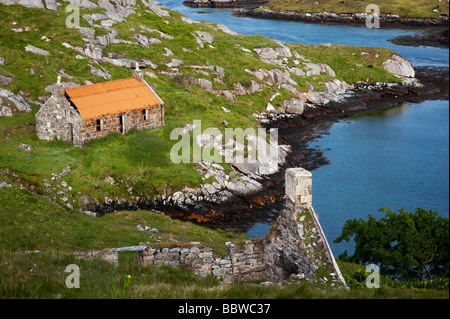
(222, 3)
(225, 29)
(51, 5)
(399, 66)
(83, 3)
(26, 3)
(344, 18)
(155, 7)
(39, 4)
(5, 110)
(20, 103)
(203, 37)
(5, 80)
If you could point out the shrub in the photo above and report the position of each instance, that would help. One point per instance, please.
(408, 246)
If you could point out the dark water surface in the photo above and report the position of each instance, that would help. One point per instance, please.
(395, 157)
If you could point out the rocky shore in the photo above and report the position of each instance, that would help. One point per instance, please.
(223, 3)
(231, 199)
(390, 20)
(433, 37)
(249, 200)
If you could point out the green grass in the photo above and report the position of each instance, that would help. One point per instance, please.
(30, 222)
(403, 8)
(144, 165)
(41, 275)
(350, 63)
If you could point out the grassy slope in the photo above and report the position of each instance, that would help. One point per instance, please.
(403, 8)
(30, 221)
(119, 156)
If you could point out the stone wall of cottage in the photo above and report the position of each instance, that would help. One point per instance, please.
(58, 120)
(132, 119)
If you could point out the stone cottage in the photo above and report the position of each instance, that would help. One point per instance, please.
(83, 113)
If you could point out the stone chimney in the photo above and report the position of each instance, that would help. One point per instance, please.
(137, 73)
(298, 185)
(57, 89)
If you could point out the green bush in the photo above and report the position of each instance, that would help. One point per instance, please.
(407, 246)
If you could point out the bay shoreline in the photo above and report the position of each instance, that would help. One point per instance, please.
(387, 20)
(241, 213)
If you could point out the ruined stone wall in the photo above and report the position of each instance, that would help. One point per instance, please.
(295, 246)
(242, 263)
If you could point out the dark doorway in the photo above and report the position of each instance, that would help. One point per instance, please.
(70, 132)
(122, 123)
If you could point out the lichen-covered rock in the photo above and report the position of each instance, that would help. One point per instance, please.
(174, 63)
(36, 50)
(205, 84)
(294, 105)
(5, 111)
(51, 5)
(155, 8)
(206, 37)
(32, 3)
(5, 80)
(399, 66)
(83, 3)
(18, 100)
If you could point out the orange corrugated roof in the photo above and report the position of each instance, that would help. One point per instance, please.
(112, 97)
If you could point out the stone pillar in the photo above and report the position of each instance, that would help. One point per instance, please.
(298, 183)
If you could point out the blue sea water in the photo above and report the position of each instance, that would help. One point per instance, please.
(313, 33)
(397, 157)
